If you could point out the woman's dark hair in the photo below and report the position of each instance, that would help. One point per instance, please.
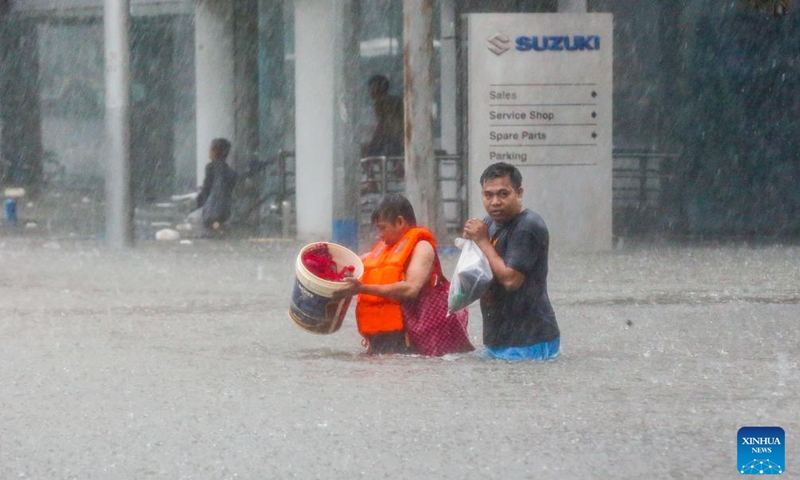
(221, 146)
(379, 83)
(500, 170)
(392, 206)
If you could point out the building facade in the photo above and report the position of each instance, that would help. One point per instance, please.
(263, 73)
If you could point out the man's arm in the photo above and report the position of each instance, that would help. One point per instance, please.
(417, 274)
(477, 231)
(205, 191)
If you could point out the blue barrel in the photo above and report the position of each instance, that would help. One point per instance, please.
(11, 211)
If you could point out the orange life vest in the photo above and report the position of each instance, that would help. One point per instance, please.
(383, 266)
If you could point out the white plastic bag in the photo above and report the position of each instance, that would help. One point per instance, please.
(472, 276)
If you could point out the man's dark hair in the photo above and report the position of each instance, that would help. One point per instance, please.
(379, 83)
(222, 146)
(392, 206)
(500, 170)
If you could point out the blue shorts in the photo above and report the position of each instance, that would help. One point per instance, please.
(539, 351)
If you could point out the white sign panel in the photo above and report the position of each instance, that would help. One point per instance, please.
(540, 98)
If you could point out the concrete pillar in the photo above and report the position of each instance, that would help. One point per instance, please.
(572, 6)
(346, 165)
(184, 131)
(274, 97)
(449, 117)
(448, 78)
(314, 106)
(214, 63)
(119, 204)
(422, 187)
(246, 81)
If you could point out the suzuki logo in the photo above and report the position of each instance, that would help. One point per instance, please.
(499, 43)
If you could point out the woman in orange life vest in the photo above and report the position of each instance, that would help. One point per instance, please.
(395, 271)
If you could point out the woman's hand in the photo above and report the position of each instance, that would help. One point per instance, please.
(418, 272)
(354, 287)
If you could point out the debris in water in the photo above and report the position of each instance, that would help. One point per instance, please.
(168, 234)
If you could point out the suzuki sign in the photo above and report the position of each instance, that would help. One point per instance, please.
(540, 92)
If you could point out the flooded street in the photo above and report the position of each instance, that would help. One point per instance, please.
(663, 134)
(180, 362)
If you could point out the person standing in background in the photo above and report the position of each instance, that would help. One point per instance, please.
(215, 197)
(387, 139)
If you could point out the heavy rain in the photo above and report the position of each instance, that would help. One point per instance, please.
(143, 339)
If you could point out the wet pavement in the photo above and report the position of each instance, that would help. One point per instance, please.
(179, 361)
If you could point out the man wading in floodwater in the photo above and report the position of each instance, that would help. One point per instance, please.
(518, 320)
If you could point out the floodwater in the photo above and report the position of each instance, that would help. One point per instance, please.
(180, 362)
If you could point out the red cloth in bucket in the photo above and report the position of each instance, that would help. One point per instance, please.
(320, 263)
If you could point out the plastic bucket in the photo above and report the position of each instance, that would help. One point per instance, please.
(313, 307)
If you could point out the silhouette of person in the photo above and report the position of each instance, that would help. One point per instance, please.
(387, 139)
(215, 197)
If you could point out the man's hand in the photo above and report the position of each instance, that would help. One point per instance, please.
(476, 230)
(353, 288)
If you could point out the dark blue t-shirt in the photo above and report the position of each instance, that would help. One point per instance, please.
(523, 317)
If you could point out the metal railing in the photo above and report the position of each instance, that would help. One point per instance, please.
(286, 175)
(267, 195)
(639, 180)
(381, 175)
